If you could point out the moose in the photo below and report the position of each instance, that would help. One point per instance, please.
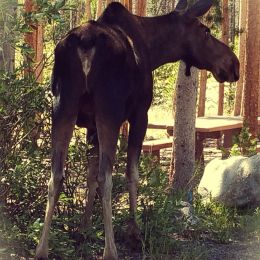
(102, 76)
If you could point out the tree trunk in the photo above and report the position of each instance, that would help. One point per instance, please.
(183, 155)
(34, 39)
(88, 10)
(73, 18)
(7, 51)
(173, 4)
(128, 4)
(99, 8)
(39, 54)
(242, 53)
(232, 21)
(141, 7)
(259, 92)
(251, 89)
(225, 30)
(202, 93)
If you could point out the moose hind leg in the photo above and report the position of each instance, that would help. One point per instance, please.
(137, 131)
(108, 137)
(93, 164)
(62, 128)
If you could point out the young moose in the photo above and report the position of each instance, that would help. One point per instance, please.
(102, 76)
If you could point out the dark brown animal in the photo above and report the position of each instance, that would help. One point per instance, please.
(102, 76)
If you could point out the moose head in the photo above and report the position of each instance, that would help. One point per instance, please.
(199, 47)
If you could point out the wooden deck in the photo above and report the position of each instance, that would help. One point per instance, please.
(213, 127)
(210, 124)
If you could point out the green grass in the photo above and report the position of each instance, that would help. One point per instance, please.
(165, 233)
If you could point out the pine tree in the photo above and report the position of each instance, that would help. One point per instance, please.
(183, 155)
(242, 57)
(7, 52)
(225, 37)
(34, 40)
(251, 89)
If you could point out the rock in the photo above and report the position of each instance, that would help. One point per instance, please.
(187, 214)
(234, 182)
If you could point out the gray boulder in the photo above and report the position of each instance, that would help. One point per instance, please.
(234, 182)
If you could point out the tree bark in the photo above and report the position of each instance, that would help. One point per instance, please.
(202, 94)
(242, 57)
(183, 155)
(99, 8)
(34, 40)
(7, 51)
(128, 4)
(141, 7)
(259, 92)
(173, 4)
(251, 89)
(88, 10)
(225, 37)
(232, 29)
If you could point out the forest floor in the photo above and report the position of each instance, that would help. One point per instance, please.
(243, 247)
(188, 246)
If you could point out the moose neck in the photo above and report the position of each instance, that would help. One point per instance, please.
(163, 38)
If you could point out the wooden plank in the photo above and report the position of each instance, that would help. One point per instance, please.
(157, 126)
(217, 123)
(153, 145)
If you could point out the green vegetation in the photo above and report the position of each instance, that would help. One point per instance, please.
(243, 144)
(25, 143)
(162, 225)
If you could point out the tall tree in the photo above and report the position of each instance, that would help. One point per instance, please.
(128, 4)
(7, 51)
(225, 37)
(207, 20)
(242, 57)
(141, 7)
(202, 93)
(34, 40)
(259, 93)
(183, 155)
(232, 19)
(251, 88)
(173, 4)
(88, 10)
(99, 8)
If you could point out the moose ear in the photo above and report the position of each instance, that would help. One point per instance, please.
(199, 8)
(181, 7)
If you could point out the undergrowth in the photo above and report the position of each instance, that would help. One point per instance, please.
(165, 231)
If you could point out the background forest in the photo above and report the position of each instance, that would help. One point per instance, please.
(29, 31)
